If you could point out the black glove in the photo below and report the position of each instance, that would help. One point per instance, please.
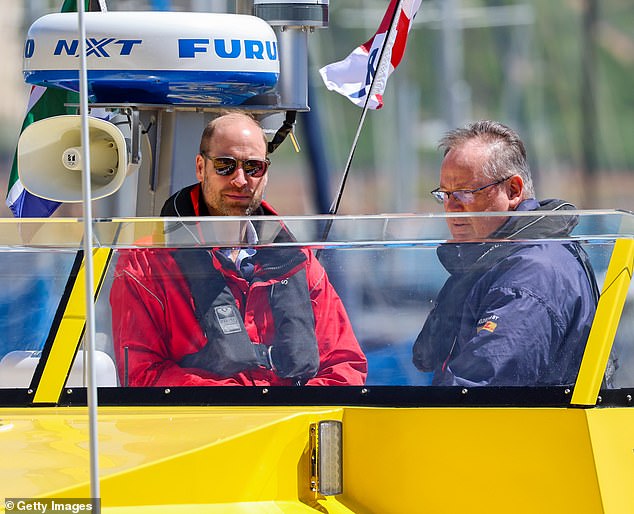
(229, 349)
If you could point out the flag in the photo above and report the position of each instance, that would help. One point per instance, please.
(43, 103)
(353, 76)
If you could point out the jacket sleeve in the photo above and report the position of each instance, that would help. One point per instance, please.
(147, 342)
(342, 362)
(508, 342)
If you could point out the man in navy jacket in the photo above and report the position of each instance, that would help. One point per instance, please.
(510, 313)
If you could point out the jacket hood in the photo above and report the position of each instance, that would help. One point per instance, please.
(521, 227)
(460, 257)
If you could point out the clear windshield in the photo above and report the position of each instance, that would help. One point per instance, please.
(316, 301)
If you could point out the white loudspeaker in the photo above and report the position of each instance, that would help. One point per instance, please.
(50, 158)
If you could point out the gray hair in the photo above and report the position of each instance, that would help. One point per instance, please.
(507, 153)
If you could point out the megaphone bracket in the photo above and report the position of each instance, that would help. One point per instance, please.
(134, 121)
(135, 150)
(137, 143)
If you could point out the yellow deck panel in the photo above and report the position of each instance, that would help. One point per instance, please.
(396, 460)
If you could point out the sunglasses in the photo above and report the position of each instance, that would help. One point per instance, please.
(227, 165)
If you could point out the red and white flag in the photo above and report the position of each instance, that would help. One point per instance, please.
(353, 76)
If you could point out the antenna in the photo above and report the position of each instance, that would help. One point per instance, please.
(379, 69)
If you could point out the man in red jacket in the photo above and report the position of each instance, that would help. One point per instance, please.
(222, 316)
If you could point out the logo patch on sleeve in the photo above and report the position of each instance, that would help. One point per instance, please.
(489, 324)
(227, 319)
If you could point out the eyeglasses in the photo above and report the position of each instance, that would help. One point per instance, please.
(227, 165)
(462, 195)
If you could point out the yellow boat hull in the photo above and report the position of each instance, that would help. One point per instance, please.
(396, 460)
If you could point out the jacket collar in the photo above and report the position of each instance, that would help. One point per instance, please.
(189, 201)
(462, 257)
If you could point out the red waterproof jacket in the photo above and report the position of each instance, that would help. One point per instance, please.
(154, 324)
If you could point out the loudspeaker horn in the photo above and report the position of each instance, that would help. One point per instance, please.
(50, 158)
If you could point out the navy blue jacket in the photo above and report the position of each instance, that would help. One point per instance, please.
(511, 313)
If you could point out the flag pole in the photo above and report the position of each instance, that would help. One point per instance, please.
(382, 68)
(89, 338)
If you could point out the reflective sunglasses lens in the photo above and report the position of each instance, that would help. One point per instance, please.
(224, 165)
(255, 167)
